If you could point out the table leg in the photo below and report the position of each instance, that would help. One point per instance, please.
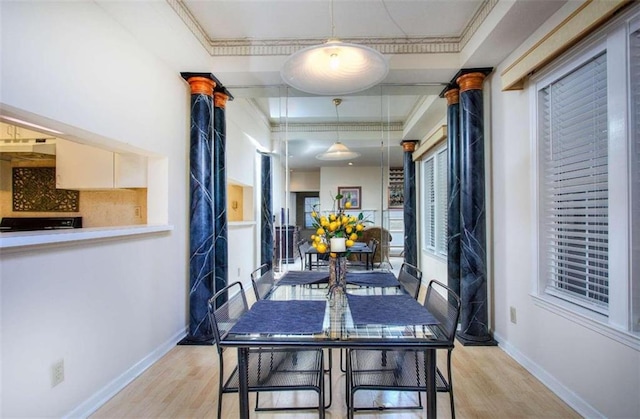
(243, 385)
(309, 262)
(430, 361)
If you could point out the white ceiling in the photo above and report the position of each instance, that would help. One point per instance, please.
(426, 42)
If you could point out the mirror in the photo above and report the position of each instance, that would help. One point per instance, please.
(372, 123)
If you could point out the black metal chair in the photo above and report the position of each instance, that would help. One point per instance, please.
(404, 370)
(410, 277)
(303, 246)
(270, 369)
(263, 282)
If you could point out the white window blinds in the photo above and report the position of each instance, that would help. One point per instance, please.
(429, 204)
(573, 130)
(442, 201)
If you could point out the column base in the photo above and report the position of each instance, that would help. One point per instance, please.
(476, 340)
(198, 340)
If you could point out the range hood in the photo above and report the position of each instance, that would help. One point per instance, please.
(35, 145)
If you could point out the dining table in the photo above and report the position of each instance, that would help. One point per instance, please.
(374, 313)
(358, 249)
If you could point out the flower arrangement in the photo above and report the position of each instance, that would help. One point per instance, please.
(336, 224)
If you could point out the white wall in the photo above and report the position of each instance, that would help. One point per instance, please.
(246, 130)
(596, 374)
(107, 308)
(370, 179)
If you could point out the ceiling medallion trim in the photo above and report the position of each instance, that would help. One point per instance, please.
(274, 47)
(332, 127)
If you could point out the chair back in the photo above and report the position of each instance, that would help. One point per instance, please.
(373, 245)
(410, 278)
(303, 246)
(224, 316)
(444, 304)
(262, 281)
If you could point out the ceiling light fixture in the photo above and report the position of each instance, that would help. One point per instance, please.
(338, 151)
(335, 67)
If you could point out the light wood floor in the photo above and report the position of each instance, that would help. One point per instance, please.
(184, 384)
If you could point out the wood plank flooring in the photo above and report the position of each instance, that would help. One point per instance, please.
(184, 384)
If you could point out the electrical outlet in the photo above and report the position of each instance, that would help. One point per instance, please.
(138, 212)
(57, 373)
(512, 315)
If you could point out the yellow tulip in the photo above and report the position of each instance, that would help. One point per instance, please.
(322, 248)
(359, 227)
(347, 205)
(314, 244)
(333, 226)
(314, 214)
(349, 243)
(353, 236)
(320, 231)
(332, 217)
(349, 229)
(317, 239)
(313, 237)
(345, 219)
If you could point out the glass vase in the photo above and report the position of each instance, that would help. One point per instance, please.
(337, 278)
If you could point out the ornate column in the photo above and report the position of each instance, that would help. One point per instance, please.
(453, 190)
(201, 208)
(221, 250)
(473, 269)
(266, 244)
(410, 238)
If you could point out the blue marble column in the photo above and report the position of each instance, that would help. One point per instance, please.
(453, 189)
(473, 261)
(220, 244)
(410, 237)
(266, 245)
(201, 210)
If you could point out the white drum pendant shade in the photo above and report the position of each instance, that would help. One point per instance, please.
(334, 68)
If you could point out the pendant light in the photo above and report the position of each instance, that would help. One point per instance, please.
(335, 67)
(338, 151)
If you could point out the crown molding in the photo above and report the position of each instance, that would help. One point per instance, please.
(333, 127)
(275, 47)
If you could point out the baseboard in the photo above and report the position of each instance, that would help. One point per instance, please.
(564, 393)
(94, 402)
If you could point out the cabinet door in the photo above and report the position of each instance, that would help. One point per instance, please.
(80, 166)
(130, 171)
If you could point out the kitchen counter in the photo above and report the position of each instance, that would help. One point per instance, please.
(29, 239)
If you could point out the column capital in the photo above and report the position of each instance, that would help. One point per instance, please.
(220, 100)
(201, 85)
(470, 81)
(452, 96)
(409, 146)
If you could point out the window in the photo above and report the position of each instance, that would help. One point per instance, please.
(435, 202)
(310, 202)
(586, 109)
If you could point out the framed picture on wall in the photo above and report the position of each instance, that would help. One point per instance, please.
(396, 195)
(351, 194)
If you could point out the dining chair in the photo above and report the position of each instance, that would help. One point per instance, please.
(270, 369)
(405, 369)
(410, 278)
(262, 281)
(303, 246)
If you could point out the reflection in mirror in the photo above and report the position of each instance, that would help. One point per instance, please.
(372, 123)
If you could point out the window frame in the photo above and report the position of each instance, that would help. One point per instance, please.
(620, 321)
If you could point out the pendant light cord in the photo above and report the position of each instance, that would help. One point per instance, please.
(337, 102)
(333, 26)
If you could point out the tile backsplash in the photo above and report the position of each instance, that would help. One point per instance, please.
(99, 208)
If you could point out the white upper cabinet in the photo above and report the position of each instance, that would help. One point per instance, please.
(79, 166)
(11, 132)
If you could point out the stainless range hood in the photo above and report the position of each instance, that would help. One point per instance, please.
(37, 145)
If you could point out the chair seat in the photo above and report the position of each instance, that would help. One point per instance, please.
(376, 369)
(280, 370)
